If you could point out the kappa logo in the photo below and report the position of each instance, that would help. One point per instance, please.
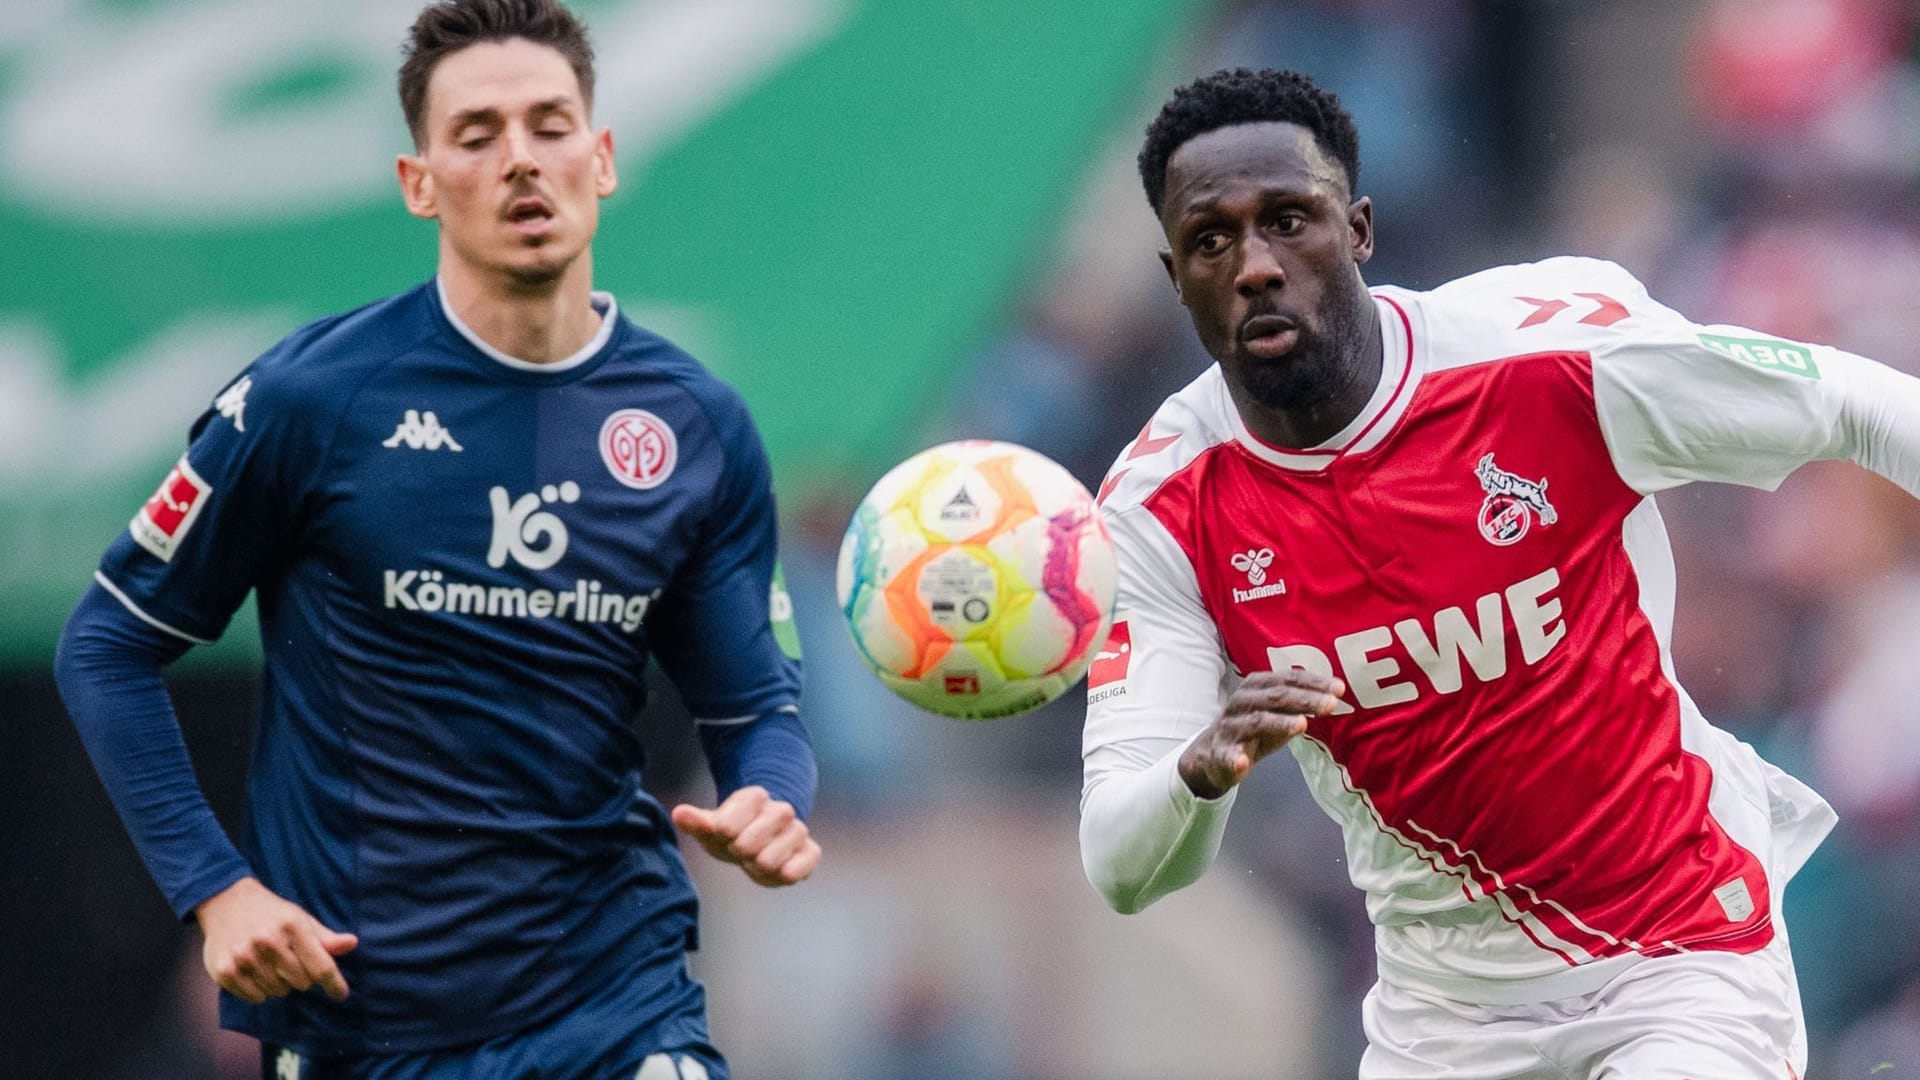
(1254, 563)
(535, 538)
(1511, 504)
(286, 1066)
(164, 520)
(232, 403)
(421, 431)
(639, 448)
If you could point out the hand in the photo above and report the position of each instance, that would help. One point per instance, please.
(755, 832)
(1262, 714)
(261, 946)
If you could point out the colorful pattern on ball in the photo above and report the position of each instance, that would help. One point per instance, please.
(977, 579)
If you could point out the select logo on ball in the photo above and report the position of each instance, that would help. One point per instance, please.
(639, 448)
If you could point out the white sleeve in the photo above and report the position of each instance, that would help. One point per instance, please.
(1143, 833)
(1680, 402)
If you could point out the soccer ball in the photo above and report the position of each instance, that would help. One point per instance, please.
(977, 579)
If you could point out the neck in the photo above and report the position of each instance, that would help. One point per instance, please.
(1357, 376)
(539, 323)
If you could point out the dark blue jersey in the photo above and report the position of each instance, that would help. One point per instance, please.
(463, 564)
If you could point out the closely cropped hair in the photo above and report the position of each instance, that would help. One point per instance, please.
(1241, 96)
(447, 26)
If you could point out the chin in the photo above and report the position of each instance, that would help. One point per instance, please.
(1302, 377)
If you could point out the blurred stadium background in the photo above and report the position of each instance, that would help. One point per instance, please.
(892, 222)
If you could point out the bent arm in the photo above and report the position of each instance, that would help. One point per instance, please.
(108, 670)
(1879, 422)
(771, 750)
(1680, 402)
(1143, 832)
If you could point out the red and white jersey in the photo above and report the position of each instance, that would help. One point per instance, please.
(1529, 798)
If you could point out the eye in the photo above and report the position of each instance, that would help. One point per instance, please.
(1210, 243)
(1289, 221)
(554, 131)
(473, 140)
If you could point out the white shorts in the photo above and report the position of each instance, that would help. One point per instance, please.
(1691, 1016)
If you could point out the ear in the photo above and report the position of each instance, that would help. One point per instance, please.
(1360, 224)
(416, 186)
(606, 177)
(1166, 261)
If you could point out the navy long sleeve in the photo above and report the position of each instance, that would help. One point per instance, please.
(108, 668)
(772, 751)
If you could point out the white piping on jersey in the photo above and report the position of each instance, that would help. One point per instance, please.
(747, 719)
(141, 615)
(602, 302)
(1538, 931)
(1401, 366)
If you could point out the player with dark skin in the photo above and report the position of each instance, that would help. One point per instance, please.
(1264, 246)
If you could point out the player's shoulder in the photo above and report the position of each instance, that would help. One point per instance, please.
(322, 359)
(660, 357)
(1566, 303)
(299, 385)
(1187, 425)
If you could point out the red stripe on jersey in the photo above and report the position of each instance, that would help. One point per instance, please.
(1468, 578)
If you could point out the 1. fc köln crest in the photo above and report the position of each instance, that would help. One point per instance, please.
(1511, 504)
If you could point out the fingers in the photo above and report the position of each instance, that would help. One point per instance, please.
(1295, 691)
(802, 865)
(731, 817)
(689, 818)
(260, 946)
(315, 961)
(760, 834)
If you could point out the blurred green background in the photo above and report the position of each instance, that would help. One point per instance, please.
(828, 201)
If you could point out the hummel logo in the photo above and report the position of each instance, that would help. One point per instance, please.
(233, 403)
(1254, 564)
(421, 431)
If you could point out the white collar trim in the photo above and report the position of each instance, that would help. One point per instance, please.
(1399, 373)
(602, 302)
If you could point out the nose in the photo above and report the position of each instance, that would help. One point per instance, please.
(1259, 270)
(520, 161)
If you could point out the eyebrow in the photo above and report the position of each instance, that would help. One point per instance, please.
(489, 115)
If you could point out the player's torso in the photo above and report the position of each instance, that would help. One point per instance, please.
(1509, 736)
(527, 517)
(455, 647)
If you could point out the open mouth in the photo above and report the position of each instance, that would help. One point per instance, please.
(529, 214)
(1269, 337)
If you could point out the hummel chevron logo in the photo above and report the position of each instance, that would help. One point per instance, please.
(1606, 310)
(422, 431)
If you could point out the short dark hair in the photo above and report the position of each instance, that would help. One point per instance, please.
(1241, 96)
(447, 26)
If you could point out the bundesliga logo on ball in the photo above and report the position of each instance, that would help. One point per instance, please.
(977, 580)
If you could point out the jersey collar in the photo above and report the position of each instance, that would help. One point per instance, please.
(602, 302)
(1400, 370)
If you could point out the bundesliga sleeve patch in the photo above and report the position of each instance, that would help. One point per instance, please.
(163, 522)
(1110, 663)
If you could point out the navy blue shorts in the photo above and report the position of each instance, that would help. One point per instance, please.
(610, 1037)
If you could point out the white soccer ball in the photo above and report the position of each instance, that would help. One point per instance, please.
(977, 579)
